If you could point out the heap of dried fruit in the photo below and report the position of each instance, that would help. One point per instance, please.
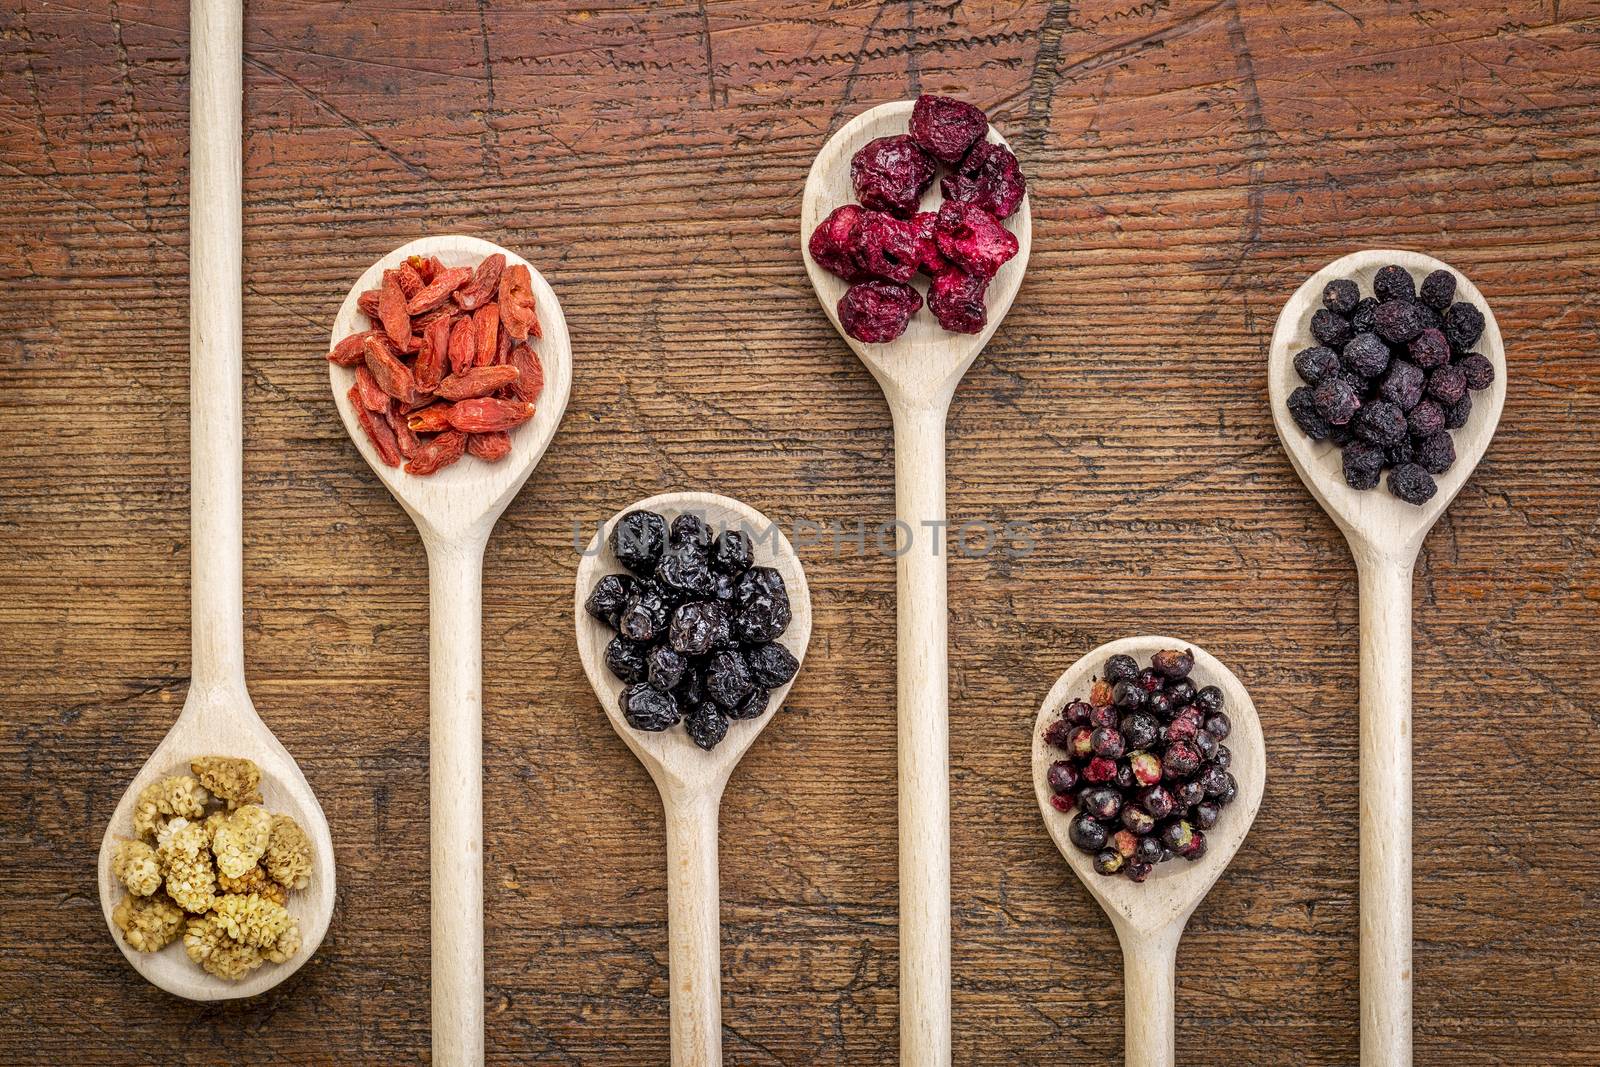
(447, 366)
(1145, 768)
(210, 864)
(882, 243)
(697, 626)
(1388, 378)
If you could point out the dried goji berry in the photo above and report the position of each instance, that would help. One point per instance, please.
(405, 440)
(489, 446)
(424, 266)
(410, 279)
(479, 381)
(502, 350)
(483, 284)
(486, 414)
(431, 357)
(377, 429)
(462, 346)
(438, 291)
(517, 307)
(438, 453)
(486, 334)
(530, 372)
(367, 304)
(351, 351)
(372, 397)
(391, 375)
(392, 310)
(431, 419)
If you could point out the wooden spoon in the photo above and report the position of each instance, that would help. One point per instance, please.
(1149, 917)
(455, 509)
(918, 373)
(1385, 534)
(691, 780)
(218, 717)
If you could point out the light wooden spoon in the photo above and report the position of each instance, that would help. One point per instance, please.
(690, 780)
(218, 717)
(455, 510)
(1385, 533)
(918, 373)
(1149, 917)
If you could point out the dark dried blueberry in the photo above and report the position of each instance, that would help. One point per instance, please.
(706, 725)
(607, 599)
(1436, 454)
(1120, 668)
(1086, 834)
(1412, 484)
(644, 613)
(1218, 725)
(1430, 350)
(1109, 861)
(1139, 729)
(1108, 742)
(1180, 729)
(1363, 464)
(973, 239)
(1361, 319)
(637, 540)
(1426, 419)
(1316, 363)
(1100, 770)
(698, 627)
(988, 177)
(1160, 703)
(685, 572)
(667, 667)
(1403, 384)
(1438, 289)
(833, 241)
(728, 678)
(1331, 328)
(1059, 732)
(723, 588)
(761, 606)
(1101, 803)
(1431, 319)
(1061, 776)
(877, 312)
(1209, 699)
(1447, 385)
(1137, 870)
(1224, 757)
(1366, 355)
(772, 664)
(1478, 370)
(891, 174)
(1398, 321)
(1204, 815)
(1151, 679)
(689, 530)
(1196, 848)
(1233, 790)
(1076, 712)
(1214, 780)
(1303, 409)
(956, 300)
(628, 659)
(1173, 663)
(1157, 801)
(1136, 821)
(1394, 283)
(1381, 423)
(732, 553)
(1148, 850)
(1186, 795)
(1125, 780)
(753, 706)
(946, 127)
(1181, 691)
(1128, 695)
(1455, 416)
(1463, 325)
(692, 690)
(1205, 744)
(1180, 760)
(887, 247)
(1341, 295)
(1336, 401)
(648, 709)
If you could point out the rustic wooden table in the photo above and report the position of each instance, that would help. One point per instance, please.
(1191, 163)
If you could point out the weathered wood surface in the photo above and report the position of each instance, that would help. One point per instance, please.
(1191, 163)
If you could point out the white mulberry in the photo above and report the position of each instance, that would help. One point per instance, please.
(164, 798)
(185, 858)
(148, 924)
(233, 780)
(209, 945)
(241, 840)
(134, 864)
(288, 856)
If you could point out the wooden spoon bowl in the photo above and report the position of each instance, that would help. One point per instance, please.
(690, 780)
(1149, 917)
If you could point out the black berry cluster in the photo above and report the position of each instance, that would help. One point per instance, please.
(1146, 767)
(697, 626)
(1389, 378)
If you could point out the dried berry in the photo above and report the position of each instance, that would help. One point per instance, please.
(1336, 401)
(771, 664)
(706, 725)
(1394, 283)
(973, 239)
(645, 708)
(438, 453)
(946, 127)
(728, 679)
(833, 240)
(1361, 319)
(1463, 325)
(1381, 423)
(607, 598)
(476, 382)
(492, 446)
(378, 430)
(1430, 349)
(666, 667)
(1303, 408)
(392, 314)
(485, 282)
(1316, 363)
(989, 178)
(886, 247)
(637, 540)
(628, 660)
(519, 314)
(1437, 453)
(437, 291)
(1438, 289)
(761, 606)
(684, 571)
(1447, 385)
(877, 312)
(1403, 384)
(1363, 464)
(1087, 834)
(1477, 370)
(392, 376)
(732, 553)
(1120, 668)
(1426, 419)
(1341, 295)
(1455, 416)
(1399, 321)
(1061, 776)
(1331, 328)
(891, 174)
(1412, 484)
(930, 260)
(956, 300)
(1365, 356)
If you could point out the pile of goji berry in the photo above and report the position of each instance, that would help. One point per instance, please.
(447, 366)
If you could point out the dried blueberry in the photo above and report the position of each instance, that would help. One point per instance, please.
(833, 240)
(1412, 484)
(706, 725)
(1120, 668)
(1341, 295)
(1101, 803)
(1209, 699)
(1381, 423)
(1139, 729)
(1394, 283)
(752, 706)
(1336, 400)
(732, 553)
(728, 678)
(1403, 384)
(1398, 321)
(946, 127)
(1363, 464)
(1366, 355)
(973, 239)
(1426, 419)
(1157, 801)
(691, 530)
(1447, 385)
(956, 300)
(644, 613)
(1061, 776)
(685, 572)
(877, 312)
(761, 606)
(891, 174)
(1438, 289)
(1436, 454)
(692, 690)
(990, 178)
(638, 539)
(1128, 695)
(1463, 325)
(772, 664)
(699, 626)
(1303, 408)
(1205, 815)
(607, 599)
(667, 667)
(648, 709)
(1316, 363)
(1455, 416)
(628, 660)
(1107, 741)
(1478, 371)
(1430, 349)
(1330, 328)
(1136, 821)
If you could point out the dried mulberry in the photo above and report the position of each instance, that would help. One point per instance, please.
(231, 780)
(135, 866)
(148, 924)
(185, 858)
(288, 856)
(179, 795)
(241, 840)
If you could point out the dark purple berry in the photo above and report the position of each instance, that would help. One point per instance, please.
(1214, 780)
(1100, 770)
(1076, 712)
(689, 530)
(1394, 283)
(1139, 729)
(1181, 691)
(648, 709)
(728, 679)
(1107, 742)
(1438, 289)
(1336, 401)
(732, 553)
(666, 668)
(1148, 850)
(753, 706)
(1205, 744)
(761, 606)
(973, 239)
(891, 174)
(1061, 776)
(1205, 815)
(1412, 484)
(1150, 680)
(1159, 703)
(1059, 733)
(1180, 761)
(1109, 861)
(1381, 423)
(1209, 699)
(1102, 715)
(1429, 350)
(1233, 790)
(706, 725)
(1187, 794)
(1447, 385)
(1436, 454)
(1120, 668)
(1086, 834)
(1398, 321)
(956, 300)
(1463, 325)
(988, 177)
(1157, 801)
(1455, 416)
(1128, 695)
(607, 599)
(1426, 419)
(1196, 847)
(699, 626)
(1341, 295)
(1136, 820)
(1366, 356)
(1101, 803)
(637, 540)
(1173, 663)
(771, 664)
(1330, 328)
(1218, 725)
(877, 312)
(1303, 409)
(644, 613)
(1138, 871)
(1403, 384)
(628, 659)
(1363, 464)
(1177, 834)
(833, 241)
(1124, 779)
(887, 247)
(1361, 319)
(1478, 370)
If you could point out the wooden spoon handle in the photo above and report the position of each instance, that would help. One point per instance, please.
(694, 930)
(1149, 969)
(1385, 811)
(216, 419)
(455, 790)
(924, 738)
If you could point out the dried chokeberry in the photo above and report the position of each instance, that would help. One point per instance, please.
(1398, 321)
(1303, 409)
(772, 664)
(1366, 356)
(1316, 363)
(887, 247)
(1341, 295)
(753, 706)
(761, 606)
(1381, 423)
(1447, 384)
(1361, 319)
(689, 530)
(732, 553)
(628, 659)
(1463, 325)
(1223, 757)
(1100, 770)
(1102, 715)
(1412, 484)
(1362, 464)
(891, 174)
(956, 300)
(1438, 289)
(1403, 384)
(876, 312)
(706, 725)
(1426, 419)
(946, 127)
(973, 239)
(1477, 369)
(988, 177)
(1331, 328)
(1394, 283)
(637, 540)
(1436, 454)
(1336, 401)
(644, 612)
(1076, 712)
(650, 709)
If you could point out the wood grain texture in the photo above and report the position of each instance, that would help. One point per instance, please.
(1191, 163)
